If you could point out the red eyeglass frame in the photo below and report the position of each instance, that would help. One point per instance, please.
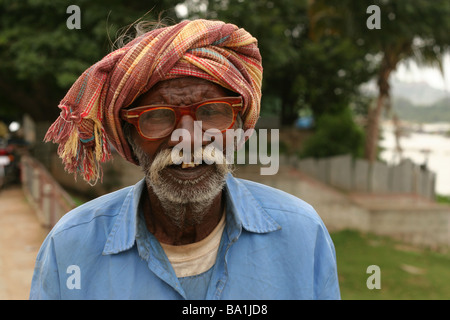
(132, 115)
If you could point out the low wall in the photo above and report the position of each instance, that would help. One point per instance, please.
(358, 175)
(49, 200)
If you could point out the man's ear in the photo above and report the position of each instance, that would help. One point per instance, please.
(127, 129)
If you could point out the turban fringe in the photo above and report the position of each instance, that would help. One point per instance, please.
(89, 120)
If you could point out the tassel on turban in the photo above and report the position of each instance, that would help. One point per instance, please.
(89, 120)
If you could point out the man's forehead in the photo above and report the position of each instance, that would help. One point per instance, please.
(182, 82)
(184, 90)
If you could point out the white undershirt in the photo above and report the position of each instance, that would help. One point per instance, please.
(195, 258)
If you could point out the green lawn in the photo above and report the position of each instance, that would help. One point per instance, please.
(406, 272)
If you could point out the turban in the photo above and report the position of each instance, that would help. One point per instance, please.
(89, 121)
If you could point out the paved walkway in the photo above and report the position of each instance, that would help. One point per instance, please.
(20, 239)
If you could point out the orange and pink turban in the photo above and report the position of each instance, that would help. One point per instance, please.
(89, 121)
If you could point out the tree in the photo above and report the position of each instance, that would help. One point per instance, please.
(417, 29)
(299, 72)
(336, 134)
(40, 57)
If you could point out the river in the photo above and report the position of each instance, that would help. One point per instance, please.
(422, 147)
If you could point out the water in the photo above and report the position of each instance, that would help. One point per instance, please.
(422, 148)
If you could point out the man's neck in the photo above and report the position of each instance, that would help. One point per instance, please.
(188, 230)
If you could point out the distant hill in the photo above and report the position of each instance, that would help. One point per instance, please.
(418, 93)
(415, 102)
(437, 112)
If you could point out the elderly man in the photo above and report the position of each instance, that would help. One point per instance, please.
(189, 229)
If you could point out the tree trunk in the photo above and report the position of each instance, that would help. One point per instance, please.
(388, 64)
(372, 131)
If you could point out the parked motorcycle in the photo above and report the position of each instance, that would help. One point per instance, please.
(8, 165)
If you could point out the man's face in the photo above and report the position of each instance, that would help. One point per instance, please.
(174, 184)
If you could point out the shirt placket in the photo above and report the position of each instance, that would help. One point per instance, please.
(220, 274)
(161, 267)
(151, 251)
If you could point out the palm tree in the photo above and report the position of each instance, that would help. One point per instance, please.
(417, 29)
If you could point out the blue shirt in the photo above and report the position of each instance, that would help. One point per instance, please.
(274, 246)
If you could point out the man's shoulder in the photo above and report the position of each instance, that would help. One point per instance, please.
(273, 198)
(282, 205)
(104, 208)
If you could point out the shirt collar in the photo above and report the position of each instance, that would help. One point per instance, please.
(243, 211)
(246, 210)
(123, 233)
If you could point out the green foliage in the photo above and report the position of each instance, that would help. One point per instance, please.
(335, 134)
(332, 70)
(445, 199)
(40, 57)
(402, 24)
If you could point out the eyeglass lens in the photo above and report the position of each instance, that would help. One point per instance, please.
(160, 122)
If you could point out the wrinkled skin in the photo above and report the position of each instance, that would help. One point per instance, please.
(179, 92)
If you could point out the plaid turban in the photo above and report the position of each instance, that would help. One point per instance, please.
(89, 120)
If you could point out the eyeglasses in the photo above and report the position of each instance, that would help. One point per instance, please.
(155, 122)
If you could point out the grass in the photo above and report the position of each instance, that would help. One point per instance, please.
(443, 199)
(406, 272)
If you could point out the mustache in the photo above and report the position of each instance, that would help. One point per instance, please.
(168, 157)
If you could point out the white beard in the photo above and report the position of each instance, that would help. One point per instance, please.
(180, 196)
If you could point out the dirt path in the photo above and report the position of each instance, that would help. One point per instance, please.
(20, 239)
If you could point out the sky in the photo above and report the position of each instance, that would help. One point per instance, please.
(412, 73)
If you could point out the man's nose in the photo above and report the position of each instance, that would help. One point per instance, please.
(187, 130)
